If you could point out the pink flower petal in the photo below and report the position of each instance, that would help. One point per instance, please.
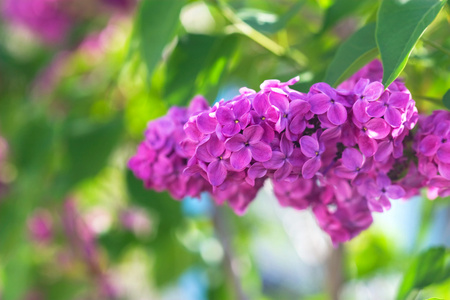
(360, 86)
(203, 154)
(286, 146)
(429, 145)
(241, 107)
(359, 111)
(261, 103)
(299, 107)
(297, 124)
(276, 161)
(240, 159)
(373, 91)
(231, 129)
(344, 172)
(205, 123)
(383, 180)
(352, 159)
(376, 109)
(399, 100)
(337, 114)
(217, 173)
(395, 192)
(393, 117)
(283, 172)
(444, 170)
(443, 153)
(311, 167)
(224, 115)
(215, 147)
(385, 149)
(235, 143)
(253, 134)
(319, 103)
(279, 101)
(261, 151)
(309, 146)
(377, 128)
(367, 145)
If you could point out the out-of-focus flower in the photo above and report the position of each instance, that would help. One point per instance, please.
(40, 227)
(432, 145)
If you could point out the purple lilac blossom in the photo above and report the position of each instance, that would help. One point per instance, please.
(338, 151)
(161, 158)
(432, 146)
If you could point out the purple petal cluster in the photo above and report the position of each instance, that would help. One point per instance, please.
(160, 159)
(339, 151)
(309, 144)
(432, 146)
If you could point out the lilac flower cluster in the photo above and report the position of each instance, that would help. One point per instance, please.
(432, 146)
(160, 159)
(339, 151)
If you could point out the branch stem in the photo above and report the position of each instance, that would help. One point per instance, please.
(296, 56)
(221, 229)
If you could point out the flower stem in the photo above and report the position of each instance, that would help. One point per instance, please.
(245, 29)
(436, 46)
(220, 227)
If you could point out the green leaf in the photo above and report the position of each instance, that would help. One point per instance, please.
(89, 147)
(339, 10)
(196, 66)
(400, 25)
(446, 99)
(156, 25)
(428, 268)
(353, 54)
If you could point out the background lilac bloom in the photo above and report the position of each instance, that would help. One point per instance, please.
(46, 18)
(248, 145)
(311, 148)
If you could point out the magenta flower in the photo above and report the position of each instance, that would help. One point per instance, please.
(390, 106)
(213, 152)
(336, 112)
(265, 115)
(284, 160)
(366, 93)
(383, 190)
(375, 129)
(311, 148)
(234, 118)
(246, 146)
(291, 113)
(257, 170)
(354, 165)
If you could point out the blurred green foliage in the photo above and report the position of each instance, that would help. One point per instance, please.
(73, 113)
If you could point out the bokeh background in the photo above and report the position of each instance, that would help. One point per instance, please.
(80, 79)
